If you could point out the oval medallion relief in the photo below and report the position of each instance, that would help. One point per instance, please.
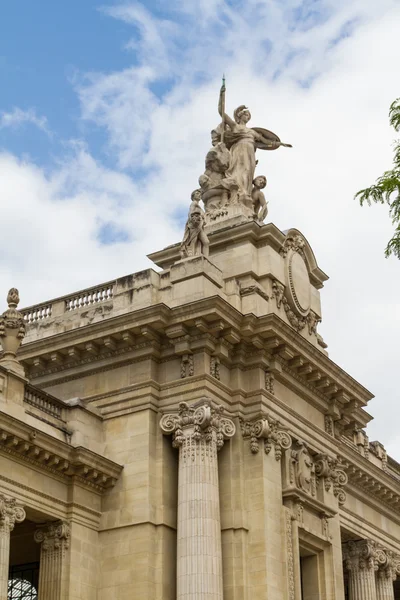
(299, 284)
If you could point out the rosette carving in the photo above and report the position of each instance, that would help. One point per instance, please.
(11, 512)
(201, 420)
(271, 431)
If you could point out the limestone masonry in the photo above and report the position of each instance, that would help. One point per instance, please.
(181, 433)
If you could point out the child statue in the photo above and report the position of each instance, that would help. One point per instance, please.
(195, 240)
(258, 198)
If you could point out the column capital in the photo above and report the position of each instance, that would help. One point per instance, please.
(360, 555)
(387, 563)
(268, 429)
(53, 536)
(11, 512)
(202, 420)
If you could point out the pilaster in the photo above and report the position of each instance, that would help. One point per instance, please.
(199, 432)
(268, 521)
(385, 575)
(10, 513)
(360, 559)
(54, 540)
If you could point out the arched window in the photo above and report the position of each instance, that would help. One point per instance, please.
(21, 589)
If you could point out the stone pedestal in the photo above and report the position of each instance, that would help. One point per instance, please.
(361, 563)
(199, 432)
(195, 278)
(54, 540)
(10, 513)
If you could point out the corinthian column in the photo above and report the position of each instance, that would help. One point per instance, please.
(54, 540)
(10, 513)
(361, 563)
(385, 575)
(199, 432)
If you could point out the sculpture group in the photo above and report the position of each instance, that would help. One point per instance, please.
(228, 178)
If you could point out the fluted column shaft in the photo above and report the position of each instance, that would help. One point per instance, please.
(199, 431)
(54, 540)
(384, 585)
(361, 564)
(10, 513)
(388, 564)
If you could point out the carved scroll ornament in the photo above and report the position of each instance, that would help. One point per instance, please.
(269, 430)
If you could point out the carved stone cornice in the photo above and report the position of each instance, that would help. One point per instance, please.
(54, 536)
(55, 456)
(11, 512)
(268, 429)
(202, 421)
(371, 482)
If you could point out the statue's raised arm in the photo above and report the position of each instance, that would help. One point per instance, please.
(226, 120)
(242, 142)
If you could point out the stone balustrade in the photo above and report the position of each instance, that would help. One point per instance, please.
(37, 313)
(90, 296)
(44, 402)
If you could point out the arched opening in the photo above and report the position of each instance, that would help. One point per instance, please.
(20, 588)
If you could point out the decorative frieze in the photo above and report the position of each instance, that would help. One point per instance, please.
(11, 512)
(268, 429)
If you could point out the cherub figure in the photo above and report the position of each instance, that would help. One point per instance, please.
(258, 198)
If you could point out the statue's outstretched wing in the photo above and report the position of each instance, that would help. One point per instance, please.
(267, 135)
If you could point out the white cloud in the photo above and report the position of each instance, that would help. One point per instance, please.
(18, 117)
(338, 127)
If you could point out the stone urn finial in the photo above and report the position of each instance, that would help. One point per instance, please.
(12, 332)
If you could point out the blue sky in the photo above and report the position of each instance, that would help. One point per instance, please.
(43, 48)
(105, 115)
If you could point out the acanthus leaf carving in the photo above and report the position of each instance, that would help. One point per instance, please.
(201, 421)
(11, 512)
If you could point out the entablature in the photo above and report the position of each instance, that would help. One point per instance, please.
(211, 325)
(47, 453)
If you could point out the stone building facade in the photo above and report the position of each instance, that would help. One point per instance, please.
(183, 434)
